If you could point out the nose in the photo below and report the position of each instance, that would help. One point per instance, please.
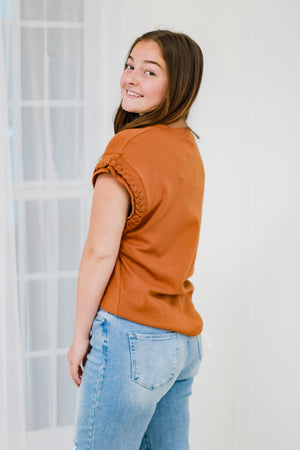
(132, 77)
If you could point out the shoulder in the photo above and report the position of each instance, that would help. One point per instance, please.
(127, 140)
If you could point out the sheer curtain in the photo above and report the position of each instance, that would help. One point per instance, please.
(45, 200)
(12, 423)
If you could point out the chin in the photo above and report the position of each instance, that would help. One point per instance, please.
(129, 109)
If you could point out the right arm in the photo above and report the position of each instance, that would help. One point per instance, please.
(109, 211)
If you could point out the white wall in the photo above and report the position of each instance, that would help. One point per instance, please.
(246, 396)
(269, 74)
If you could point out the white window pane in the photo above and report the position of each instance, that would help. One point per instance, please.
(6, 9)
(38, 249)
(36, 316)
(66, 393)
(67, 10)
(7, 47)
(11, 139)
(52, 235)
(16, 219)
(37, 393)
(35, 245)
(66, 129)
(66, 143)
(32, 63)
(69, 234)
(33, 143)
(65, 63)
(41, 236)
(66, 311)
(32, 9)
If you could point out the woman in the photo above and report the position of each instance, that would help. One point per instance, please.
(137, 333)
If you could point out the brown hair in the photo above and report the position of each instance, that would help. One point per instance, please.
(184, 62)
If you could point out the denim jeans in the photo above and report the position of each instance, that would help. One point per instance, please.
(135, 387)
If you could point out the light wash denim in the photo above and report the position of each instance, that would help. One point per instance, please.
(135, 387)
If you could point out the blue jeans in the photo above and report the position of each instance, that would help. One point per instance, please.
(135, 387)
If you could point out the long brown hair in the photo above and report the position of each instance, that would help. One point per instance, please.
(184, 62)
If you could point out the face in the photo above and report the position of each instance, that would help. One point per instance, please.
(144, 81)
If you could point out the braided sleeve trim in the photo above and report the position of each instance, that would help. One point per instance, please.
(124, 173)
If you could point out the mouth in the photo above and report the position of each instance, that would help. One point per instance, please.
(132, 94)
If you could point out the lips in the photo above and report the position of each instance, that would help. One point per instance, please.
(133, 94)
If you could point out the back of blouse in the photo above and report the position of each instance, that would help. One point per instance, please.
(162, 169)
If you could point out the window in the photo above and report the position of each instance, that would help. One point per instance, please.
(44, 51)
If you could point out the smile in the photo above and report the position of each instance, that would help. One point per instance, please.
(132, 94)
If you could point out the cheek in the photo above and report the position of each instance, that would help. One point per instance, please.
(163, 91)
(123, 80)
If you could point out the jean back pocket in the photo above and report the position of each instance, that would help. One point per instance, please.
(154, 358)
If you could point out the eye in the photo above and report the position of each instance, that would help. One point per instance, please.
(128, 67)
(148, 72)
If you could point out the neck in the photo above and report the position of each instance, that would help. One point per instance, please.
(178, 124)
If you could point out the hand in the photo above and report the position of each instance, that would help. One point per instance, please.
(77, 355)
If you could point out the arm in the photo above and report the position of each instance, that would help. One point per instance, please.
(109, 210)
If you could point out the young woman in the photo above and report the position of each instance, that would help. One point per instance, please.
(137, 342)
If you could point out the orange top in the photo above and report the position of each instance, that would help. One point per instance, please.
(162, 169)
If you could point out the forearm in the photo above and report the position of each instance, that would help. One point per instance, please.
(93, 276)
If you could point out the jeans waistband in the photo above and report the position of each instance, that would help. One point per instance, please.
(130, 325)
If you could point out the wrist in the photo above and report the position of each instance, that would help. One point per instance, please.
(79, 336)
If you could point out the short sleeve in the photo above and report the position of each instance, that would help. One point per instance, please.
(128, 176)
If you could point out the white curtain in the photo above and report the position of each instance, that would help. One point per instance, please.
(12, 417)
(45, 197)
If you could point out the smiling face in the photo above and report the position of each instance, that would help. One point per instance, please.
(144, 81)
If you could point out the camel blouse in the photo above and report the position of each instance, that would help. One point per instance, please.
(162, 170)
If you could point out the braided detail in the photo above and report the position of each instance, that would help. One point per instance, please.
(135, 188)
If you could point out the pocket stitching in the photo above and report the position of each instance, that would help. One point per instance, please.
(132, 337)
(199, 345)
(97, 321)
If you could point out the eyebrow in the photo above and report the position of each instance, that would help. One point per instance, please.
(148, 61)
